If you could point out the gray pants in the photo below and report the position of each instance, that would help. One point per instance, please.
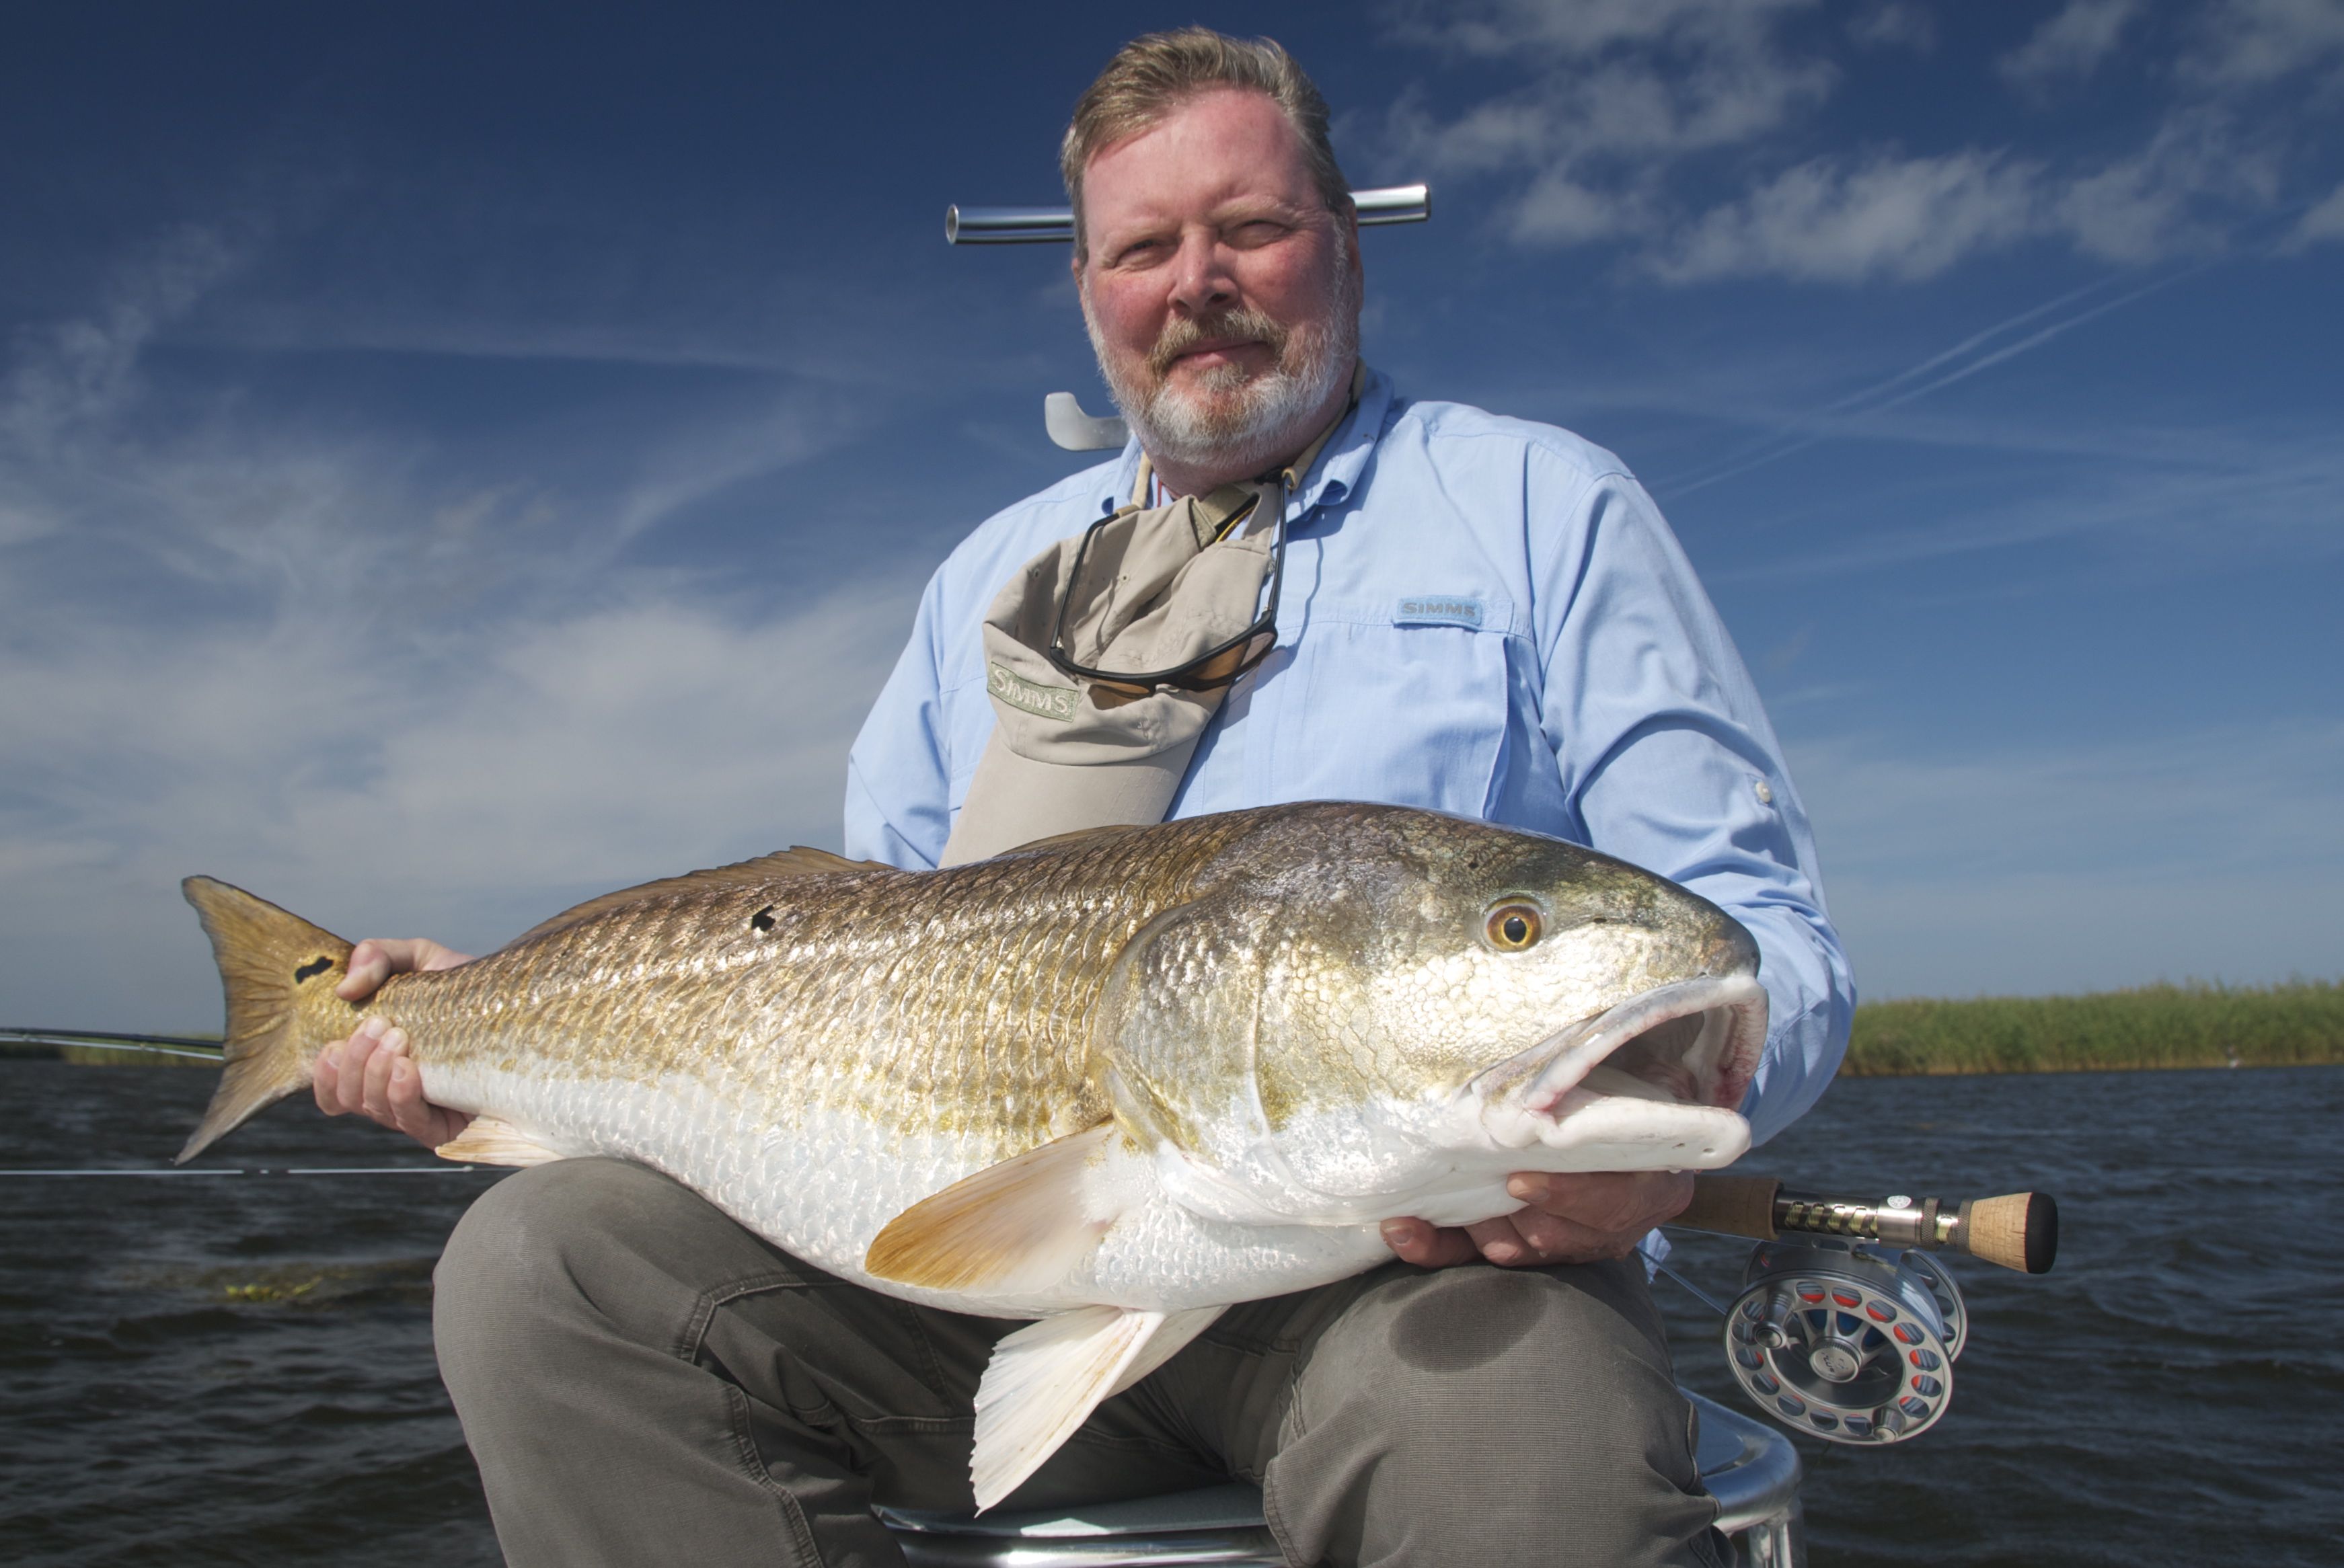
(645, 1383)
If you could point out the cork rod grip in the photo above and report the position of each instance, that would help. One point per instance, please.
(1732, 1206)
(2018, 1230)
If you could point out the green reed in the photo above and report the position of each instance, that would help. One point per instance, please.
(2156, 1026)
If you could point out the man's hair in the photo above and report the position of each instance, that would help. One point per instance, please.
(1151, 76)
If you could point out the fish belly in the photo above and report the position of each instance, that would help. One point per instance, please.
(820, 1183)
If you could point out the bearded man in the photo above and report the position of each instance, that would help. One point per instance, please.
(1467, 613)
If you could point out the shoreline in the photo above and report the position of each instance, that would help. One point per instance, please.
(2179, 1027)
(2298, 1024)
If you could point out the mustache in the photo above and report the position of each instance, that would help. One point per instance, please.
(1182, 334)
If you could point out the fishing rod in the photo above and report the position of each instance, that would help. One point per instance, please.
(1847, 1327)
(95, 1170)
(190, 1047)
(2017, 1230)
(194, 1049)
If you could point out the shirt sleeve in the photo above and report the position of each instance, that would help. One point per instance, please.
(1667, 760)
(899, 772)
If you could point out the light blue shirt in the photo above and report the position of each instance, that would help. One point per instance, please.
(1480, 615)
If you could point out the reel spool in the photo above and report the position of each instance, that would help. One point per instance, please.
(1835, 1339)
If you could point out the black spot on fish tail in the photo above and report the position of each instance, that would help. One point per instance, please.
(313, 969)
(764, 919)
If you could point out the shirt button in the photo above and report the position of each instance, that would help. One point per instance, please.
(1764, 791)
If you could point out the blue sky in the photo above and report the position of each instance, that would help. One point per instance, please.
(455, 459)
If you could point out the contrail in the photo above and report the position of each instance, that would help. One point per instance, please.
(2048, 333)
(1872, 399)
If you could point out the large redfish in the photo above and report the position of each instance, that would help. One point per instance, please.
(1116, 1081)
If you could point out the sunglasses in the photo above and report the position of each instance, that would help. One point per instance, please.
(1210, 670)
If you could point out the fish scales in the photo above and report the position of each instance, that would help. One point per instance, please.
(985, 982)
(1145, 1071)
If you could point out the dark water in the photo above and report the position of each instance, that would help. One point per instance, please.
(238, 1370)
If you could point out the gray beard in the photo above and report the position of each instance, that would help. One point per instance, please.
(1264, 421)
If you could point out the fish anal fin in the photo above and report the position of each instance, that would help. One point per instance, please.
(491, 1141)
(796, 861)
(1018, 1226)
(1169, 1340)
(1042, 1382)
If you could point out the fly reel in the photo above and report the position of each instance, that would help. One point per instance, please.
(1835, 1339)
(1834, 1336)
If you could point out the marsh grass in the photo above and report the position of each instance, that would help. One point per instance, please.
(2156, 1026)
(2292, 1025)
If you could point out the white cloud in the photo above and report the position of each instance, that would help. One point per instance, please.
(2248, 43)
(1558, 210)
(1577, 29)
(83, 369)
(2324, 221)
(2165, 199)
(1894, 23)
(1830, 220)
(1628, 110)
(313, 660)
(1822, 221)
(565, 758)
(1620, 92)
(2072, 43)
(2207, 855)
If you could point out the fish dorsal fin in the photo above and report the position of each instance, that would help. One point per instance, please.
(491, 1141)
(1044, 1380)
(1016, 1227)
(795, 861)
(1111, 831)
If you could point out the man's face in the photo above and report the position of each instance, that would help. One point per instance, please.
(1221, 295)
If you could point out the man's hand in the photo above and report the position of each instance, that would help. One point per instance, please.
(1574, 1219)
(370, 1072)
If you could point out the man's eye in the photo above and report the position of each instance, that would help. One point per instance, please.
(1261, 231)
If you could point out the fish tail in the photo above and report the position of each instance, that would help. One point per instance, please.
(278, 973)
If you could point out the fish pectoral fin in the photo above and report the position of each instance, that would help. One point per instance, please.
(489, 1141)
(1044, 1382)
(1018, 1226)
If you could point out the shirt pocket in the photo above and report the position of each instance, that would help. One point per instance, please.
(1409, 714)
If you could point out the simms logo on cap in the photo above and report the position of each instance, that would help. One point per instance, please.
(1042, 701)
(1439, 611)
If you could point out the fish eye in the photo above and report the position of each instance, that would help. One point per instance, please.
(1514, 925)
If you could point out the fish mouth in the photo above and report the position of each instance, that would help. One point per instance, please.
(1693, 1042)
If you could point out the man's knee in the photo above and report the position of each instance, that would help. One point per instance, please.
(1509, 1416)
(601, 1238)
(1476, 1349)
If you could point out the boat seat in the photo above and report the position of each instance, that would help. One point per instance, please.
(1749, 1468)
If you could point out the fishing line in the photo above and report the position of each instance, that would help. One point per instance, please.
(286, 1171)
(184, 1046)
(1704, 1297)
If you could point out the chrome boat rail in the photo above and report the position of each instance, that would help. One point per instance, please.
(1749, 1467)
(1056, 224)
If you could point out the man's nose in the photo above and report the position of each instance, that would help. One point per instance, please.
(1201, 279)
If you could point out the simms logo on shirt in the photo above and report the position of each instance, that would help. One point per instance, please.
(1042, 701)
(1441, 611)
